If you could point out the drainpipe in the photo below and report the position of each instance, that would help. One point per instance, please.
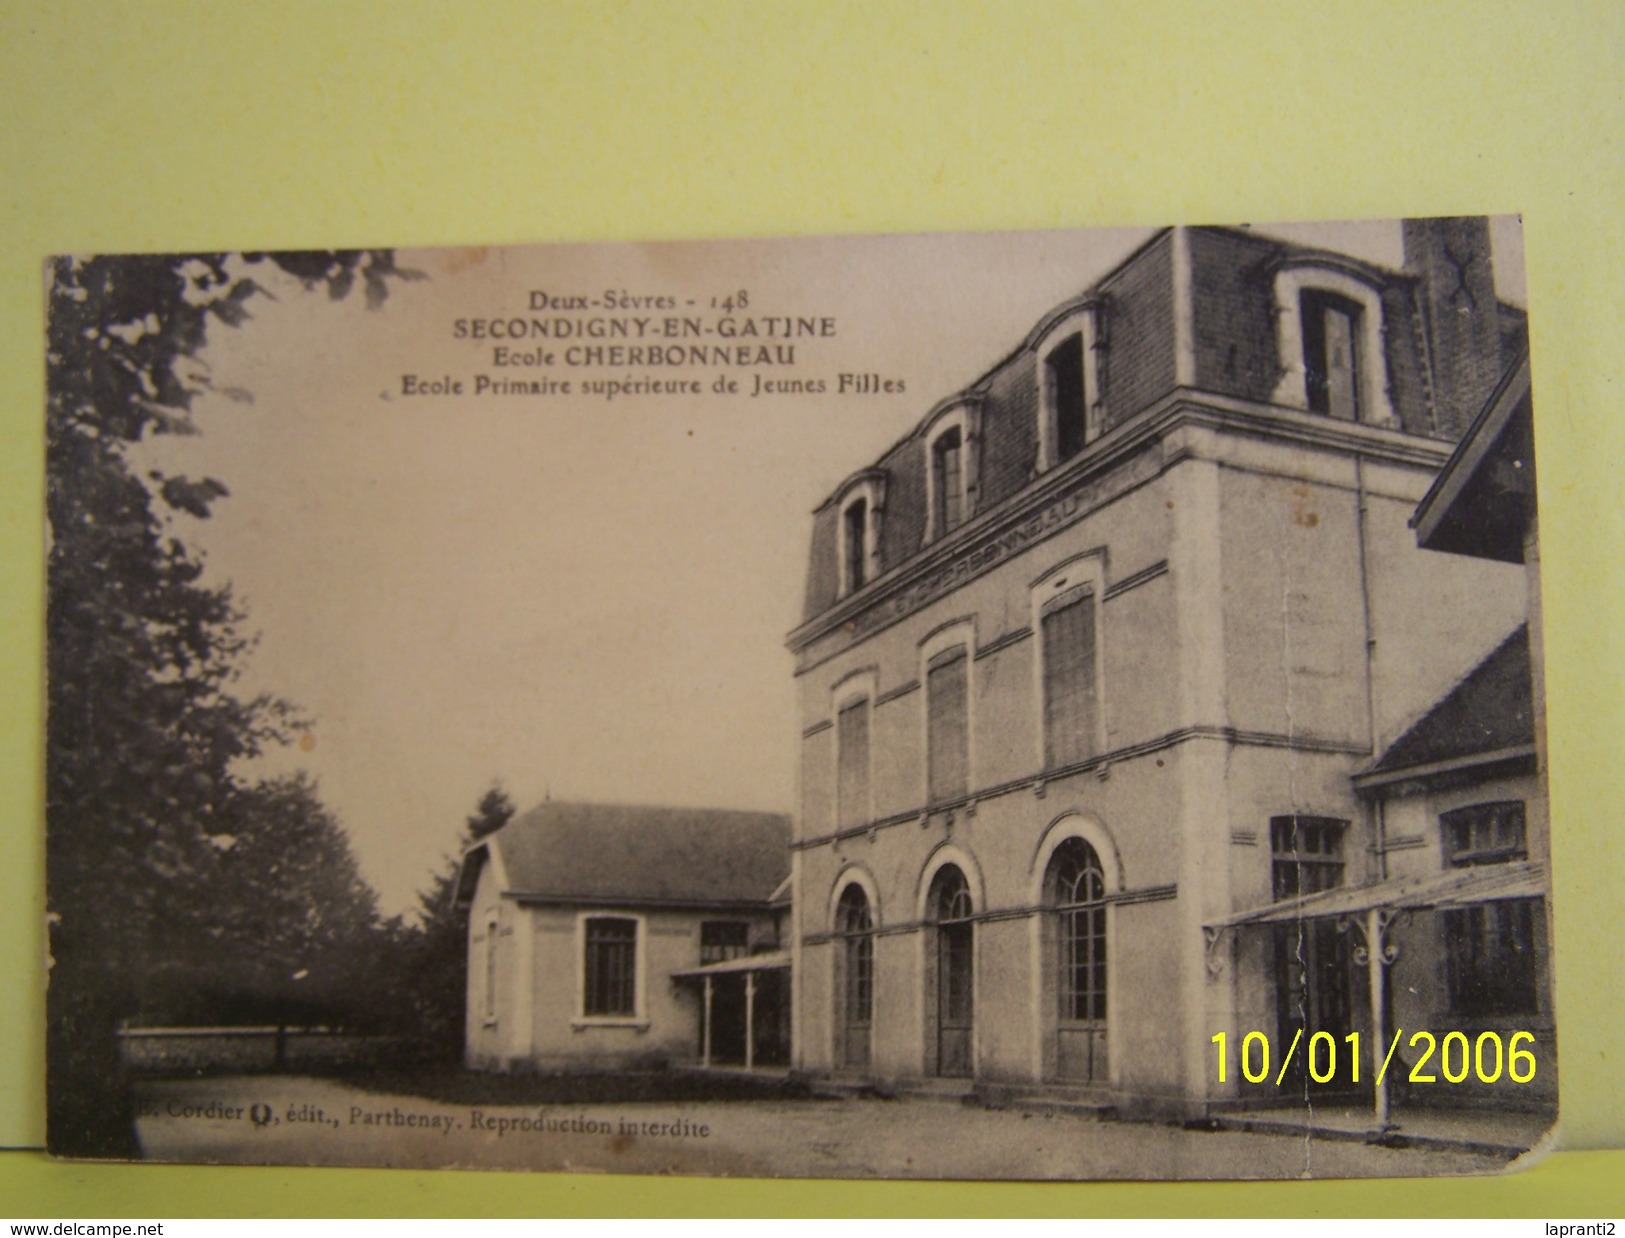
(1379, 840)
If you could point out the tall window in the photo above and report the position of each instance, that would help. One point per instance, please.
(1064, 395)
(947, 726)
(1331, 333)
(954, 932)
(854, 541)
(491, 970)
(852, 763)
(857, 984)
(951, 910)
(721, 940)
(611, 967)
(1078, 892)
(948, 464)
(1070, 705)
(1490, 946)
(1307, 855)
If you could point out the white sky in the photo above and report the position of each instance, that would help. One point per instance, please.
(579, 598)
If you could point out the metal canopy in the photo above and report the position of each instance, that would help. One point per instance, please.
(776, 961)
(1370, 910)
(1455, 887)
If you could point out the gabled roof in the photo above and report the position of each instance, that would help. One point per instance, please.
(635, 854)
(1490, 713)
(1482, 501)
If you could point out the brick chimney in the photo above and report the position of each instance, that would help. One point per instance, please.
(1460, 315)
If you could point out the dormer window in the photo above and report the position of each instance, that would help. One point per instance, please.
(1331, 361)
(1070, 413)
(951, 436)
(859, 506)
(948, 474)
(854, 536)
(1329, 336)
(1063, 396)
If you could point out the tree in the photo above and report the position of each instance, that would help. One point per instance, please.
(299, 924)
(440, 967)
(143, 729)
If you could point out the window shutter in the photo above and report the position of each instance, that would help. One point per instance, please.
(947, 726)
(852, 778)
(1069, 680)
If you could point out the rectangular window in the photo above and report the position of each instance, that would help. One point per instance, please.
(1491, 965)
(948, 460)
(1069, 679)
(1490, 947)
(1331, 370)
(947, 726)
(721, 940)
(855, 527)
(852, 758)
(1306, 855)
(1483, 834)
(611, 967)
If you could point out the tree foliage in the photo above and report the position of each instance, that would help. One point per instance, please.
(143, 726)
(440, 956)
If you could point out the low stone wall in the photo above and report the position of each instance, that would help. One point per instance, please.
(195, 1050)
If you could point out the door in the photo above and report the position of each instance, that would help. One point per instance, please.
(955, 999)
(955, 974)
(1312, 957)
(855, 983)
(1312, 996)
(1075, 969)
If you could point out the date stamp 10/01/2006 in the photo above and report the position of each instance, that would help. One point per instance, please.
(1488, 1058)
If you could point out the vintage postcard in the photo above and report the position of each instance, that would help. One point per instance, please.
(1050, 705)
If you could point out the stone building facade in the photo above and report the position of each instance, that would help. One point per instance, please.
(1089, 660)
(616, 937)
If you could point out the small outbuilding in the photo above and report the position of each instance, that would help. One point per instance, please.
(613, 937)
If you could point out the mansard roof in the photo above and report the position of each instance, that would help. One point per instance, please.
(1232, 274)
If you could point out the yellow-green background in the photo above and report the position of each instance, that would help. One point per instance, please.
(198, 125)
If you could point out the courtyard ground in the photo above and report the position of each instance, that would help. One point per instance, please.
(280, 1119)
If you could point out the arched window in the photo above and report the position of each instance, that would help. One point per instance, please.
(949, 907)
(1064, 397)
(1075, 890)
(855, 985)
(854, 539)
(1329, 333)
(951, 436)
(859, 505)
(950, 896)
(1067, 345)
(948, 481)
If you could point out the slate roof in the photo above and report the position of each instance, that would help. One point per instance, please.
(572, 852)
(1490, 710)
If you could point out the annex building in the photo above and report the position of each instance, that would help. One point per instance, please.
(626, 937)
(1128, 653)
